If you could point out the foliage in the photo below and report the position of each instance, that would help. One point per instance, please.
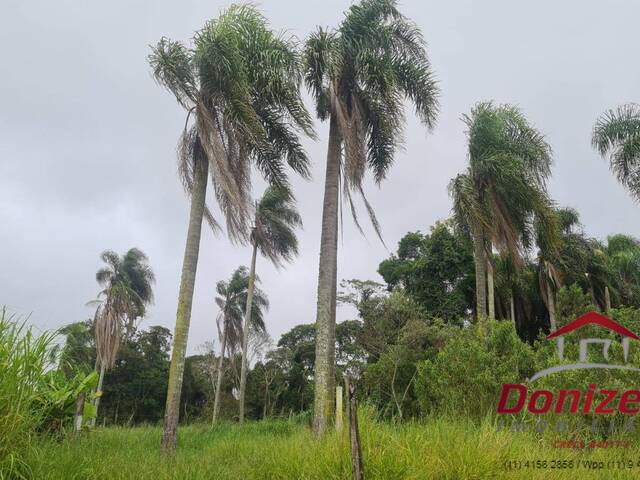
(436, 270)
(465, 378)
(127, 291)
(34, 397)
(137, 385)
(615, 135)
(359, 76)
(241, 83)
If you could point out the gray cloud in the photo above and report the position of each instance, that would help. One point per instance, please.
(87, 141)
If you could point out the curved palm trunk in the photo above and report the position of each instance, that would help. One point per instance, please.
(245, 331)
(327, 283)
(185, 299)
(491, 292)
(216, 402)
(479, 257)
(552, 309)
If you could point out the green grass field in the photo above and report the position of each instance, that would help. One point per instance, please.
(286, 450)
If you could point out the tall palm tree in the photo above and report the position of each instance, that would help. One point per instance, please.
(502, 190)
(617, 134)
(127, 290)
(240, 83)
(273, 233)
(359, 76)
(232, 299)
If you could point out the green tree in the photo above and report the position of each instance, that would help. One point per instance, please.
(127, 289)
(359, 75)
(502, 189)
(231, 300)
(617, 134)
(78, 352)
(436, 270)
(273, 233)
(241, 84)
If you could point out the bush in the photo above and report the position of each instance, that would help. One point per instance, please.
(466, 378)
(34, 397)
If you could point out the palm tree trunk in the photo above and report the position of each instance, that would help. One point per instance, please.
(479, 257)
(327, 282)
(185, 299)
(552, 309)
(98, 393)
(512, 308)
(607, 300)
(245, 330)
(491, 291)
(216, 402)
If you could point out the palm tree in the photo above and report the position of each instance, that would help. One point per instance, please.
(623, 252)
(273, 233)
(241, 83)
(617, 134)
(126, 292)
(501, 191)
(232, 298)
(359, 76)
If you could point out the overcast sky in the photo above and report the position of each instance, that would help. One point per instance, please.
(87, 142)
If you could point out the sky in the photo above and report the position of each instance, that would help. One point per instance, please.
(87, 142)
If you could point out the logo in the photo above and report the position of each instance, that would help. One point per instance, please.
(594, 400)
(591, 318)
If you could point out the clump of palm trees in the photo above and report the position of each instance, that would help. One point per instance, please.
(502, 195)
(239, 83)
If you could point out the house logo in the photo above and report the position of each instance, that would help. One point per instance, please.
(514, 398)
(591, 318)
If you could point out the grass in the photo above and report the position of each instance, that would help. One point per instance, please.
(440, 449)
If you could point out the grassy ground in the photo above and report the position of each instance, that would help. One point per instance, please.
(282, 450)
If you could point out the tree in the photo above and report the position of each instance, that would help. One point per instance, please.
(435, 269)
(127, 291)
(617, 134)
(359, 75)
(273, 233)
(241, 83)
(502, 189)
(232, 299)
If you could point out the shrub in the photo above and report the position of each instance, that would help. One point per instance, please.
(466, 378)
(34, 397)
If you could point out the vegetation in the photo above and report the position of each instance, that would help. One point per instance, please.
(617, 134)
(34, 398)
(464, 308)
(359, 75)
(440, 448)
(241, 83)
(273, 233)
(127, 291)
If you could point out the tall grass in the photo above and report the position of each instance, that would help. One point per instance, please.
(24, 359)
(281, 450)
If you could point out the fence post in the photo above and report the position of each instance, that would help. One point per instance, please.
(339, 408)
(357, 470)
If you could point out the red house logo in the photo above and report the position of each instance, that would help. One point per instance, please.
(591, 318)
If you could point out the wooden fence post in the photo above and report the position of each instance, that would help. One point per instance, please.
(339, 408)
(357, 471)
